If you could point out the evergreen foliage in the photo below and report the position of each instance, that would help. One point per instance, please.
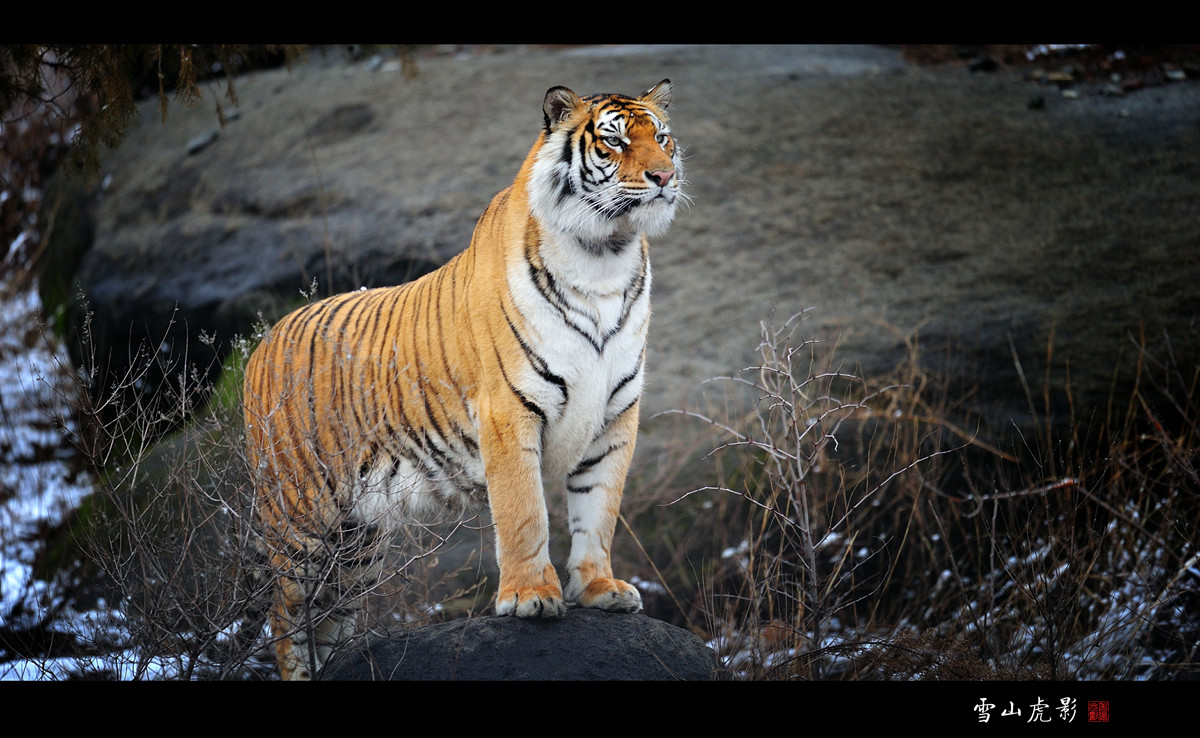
(96, 86)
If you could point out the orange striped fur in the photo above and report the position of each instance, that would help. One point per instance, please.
(512, 372)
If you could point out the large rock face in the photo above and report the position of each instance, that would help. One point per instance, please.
(584, 645)
(897, 201)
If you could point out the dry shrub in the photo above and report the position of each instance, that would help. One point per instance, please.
(865, 535)
(171, 527)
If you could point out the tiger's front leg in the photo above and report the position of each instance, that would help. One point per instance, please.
(511, 447)
(594, 491)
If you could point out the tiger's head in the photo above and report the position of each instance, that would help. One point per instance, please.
(608, 167)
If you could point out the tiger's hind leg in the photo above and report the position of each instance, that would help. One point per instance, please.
(319, 596)
(305, 628)
(594, 491)
(289, 627)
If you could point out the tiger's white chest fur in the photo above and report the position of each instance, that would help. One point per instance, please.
(587, 318)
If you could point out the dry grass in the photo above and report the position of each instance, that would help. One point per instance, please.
(852, 529)
(855, 532)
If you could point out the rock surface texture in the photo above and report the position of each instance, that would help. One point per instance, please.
(900, 203)
(585, 645)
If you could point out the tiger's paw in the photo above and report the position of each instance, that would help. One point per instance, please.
(531, 602)
(603, 593)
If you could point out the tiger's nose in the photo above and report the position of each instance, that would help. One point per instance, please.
(662, 176)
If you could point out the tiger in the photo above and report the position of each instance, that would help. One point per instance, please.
(512, 371)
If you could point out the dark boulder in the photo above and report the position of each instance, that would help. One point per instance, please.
(584, 645)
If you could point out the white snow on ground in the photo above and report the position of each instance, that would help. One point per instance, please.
(37, 485)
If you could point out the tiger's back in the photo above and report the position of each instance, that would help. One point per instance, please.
(513, 371)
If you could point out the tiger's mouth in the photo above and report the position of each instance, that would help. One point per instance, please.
(667, 194)
(627, 205)
(663, 195)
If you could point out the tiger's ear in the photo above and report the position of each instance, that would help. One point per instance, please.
(659, 94)
(558, 105)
